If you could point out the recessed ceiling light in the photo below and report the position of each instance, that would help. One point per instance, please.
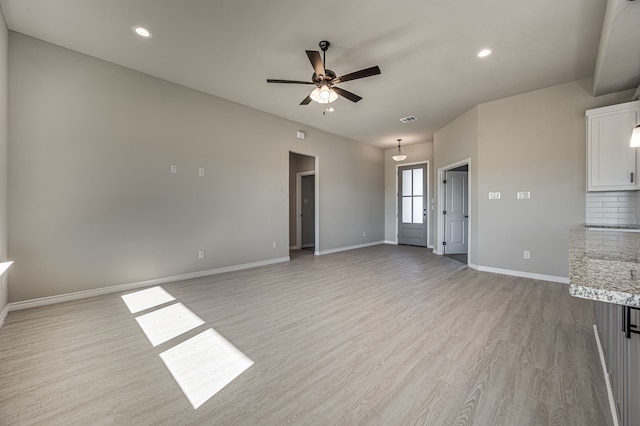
(484, 53)
(142, 32)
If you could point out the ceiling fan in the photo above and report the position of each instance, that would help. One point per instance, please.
(325, 80)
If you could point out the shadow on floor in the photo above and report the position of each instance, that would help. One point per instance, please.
(298, 253)
(459, 257)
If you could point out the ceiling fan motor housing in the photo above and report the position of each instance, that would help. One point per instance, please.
(329, 76)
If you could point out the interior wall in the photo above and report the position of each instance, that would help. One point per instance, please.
(534, 142)
(92, 202)
(455, 142)
(297, 163)
(4, 47)
(416, 153)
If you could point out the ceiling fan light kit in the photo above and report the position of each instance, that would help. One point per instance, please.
(326, 80)
(323, 95)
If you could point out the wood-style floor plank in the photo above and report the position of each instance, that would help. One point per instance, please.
(385, 335)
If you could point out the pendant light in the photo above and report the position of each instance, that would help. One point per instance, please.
(399, 155)
(635, 137)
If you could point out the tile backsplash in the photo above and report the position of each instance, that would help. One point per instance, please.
(612, 208)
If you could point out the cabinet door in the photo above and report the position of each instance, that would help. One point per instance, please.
(617, 367)
(633, 376)
(612, 163)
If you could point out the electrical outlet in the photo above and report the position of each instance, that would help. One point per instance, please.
(174, 168)
(527, 254)
(202, 254)
(494, 195)
(201, 171)
(275, 244)
(364, 234)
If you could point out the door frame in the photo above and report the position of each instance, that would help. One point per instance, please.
(316, 170)
(427, 195)
(440, 216)
(299, 207)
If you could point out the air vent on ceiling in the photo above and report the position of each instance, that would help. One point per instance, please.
(408, 119)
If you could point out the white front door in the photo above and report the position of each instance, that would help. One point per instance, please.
(456, 218)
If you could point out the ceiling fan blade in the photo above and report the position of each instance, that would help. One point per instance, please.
(345, 93)
(271, 80)
(306, 100)
(316, 61)
(367, 72)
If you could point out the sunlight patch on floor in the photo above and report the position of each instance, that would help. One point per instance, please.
(204, 364)
(164, 324)
(145, 299)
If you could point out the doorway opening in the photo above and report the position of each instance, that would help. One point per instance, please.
(303, 204)
(305, 209)
(453, 211)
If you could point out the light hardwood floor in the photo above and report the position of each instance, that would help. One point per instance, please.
(386, 335)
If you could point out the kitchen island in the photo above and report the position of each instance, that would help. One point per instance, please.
(604, 266)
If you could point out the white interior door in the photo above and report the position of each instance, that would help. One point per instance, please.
(412, 205)
(457, 213)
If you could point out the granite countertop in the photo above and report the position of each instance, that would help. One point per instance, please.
(604, 265)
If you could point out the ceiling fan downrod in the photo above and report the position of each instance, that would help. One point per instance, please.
(324, 46)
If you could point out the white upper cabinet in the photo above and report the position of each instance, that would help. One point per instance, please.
(611, 164)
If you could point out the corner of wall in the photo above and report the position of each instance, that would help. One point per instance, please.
(4, 88)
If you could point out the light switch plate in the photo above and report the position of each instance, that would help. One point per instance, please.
(524, 195)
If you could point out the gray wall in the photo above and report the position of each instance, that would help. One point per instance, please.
(455, 142)
(534, 142)
(297, 163)
(416, 153)
(3, 156)
(531, 142)
(92, 202)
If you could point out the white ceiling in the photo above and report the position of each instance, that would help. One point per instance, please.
(426, 50)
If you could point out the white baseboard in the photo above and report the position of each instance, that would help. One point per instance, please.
(339, 249)
(523, 274)
(3, 314)
(132, 286)
(607, 379)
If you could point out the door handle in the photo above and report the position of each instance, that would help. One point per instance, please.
(627, 327)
